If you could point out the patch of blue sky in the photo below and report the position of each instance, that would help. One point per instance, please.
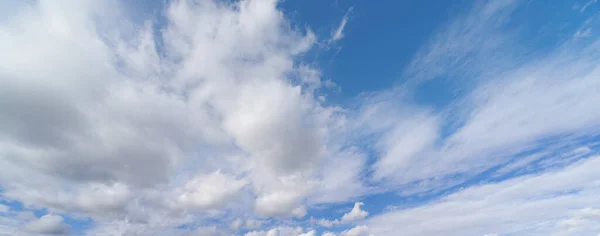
(14, 205)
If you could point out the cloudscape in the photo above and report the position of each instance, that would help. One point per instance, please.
(299, 118)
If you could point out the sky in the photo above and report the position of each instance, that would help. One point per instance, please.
(299, 118)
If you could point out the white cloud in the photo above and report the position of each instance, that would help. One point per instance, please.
(207, 231)
(236, 224)
(327, 223)
(355, 214)
(467, 45)
(11, 222)
(587, 4)
(152, 228)
(505, 111)
(127, 130)
(99, 197)
(253, 224)
(361, 230)
(531, 205)
(582, 33)
(48, 224)
(404, 142)
(281, 203)
(556, 91)
(309, 233)
(4, 208)
(583, 220)
(338, 33)
(521, 163)
(341, 177)
(211, 191)
(282, 231)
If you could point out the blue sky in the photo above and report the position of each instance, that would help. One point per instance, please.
(289, 118)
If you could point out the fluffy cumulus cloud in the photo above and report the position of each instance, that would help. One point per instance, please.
(128, 123)
(207, 118)
(211, 191)
(354, 215)
(48, 224)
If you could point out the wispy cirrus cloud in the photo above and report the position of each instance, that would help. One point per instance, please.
(586, 5)
(541, 204)
(516, 108)
(502, 114)
(338, 33)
